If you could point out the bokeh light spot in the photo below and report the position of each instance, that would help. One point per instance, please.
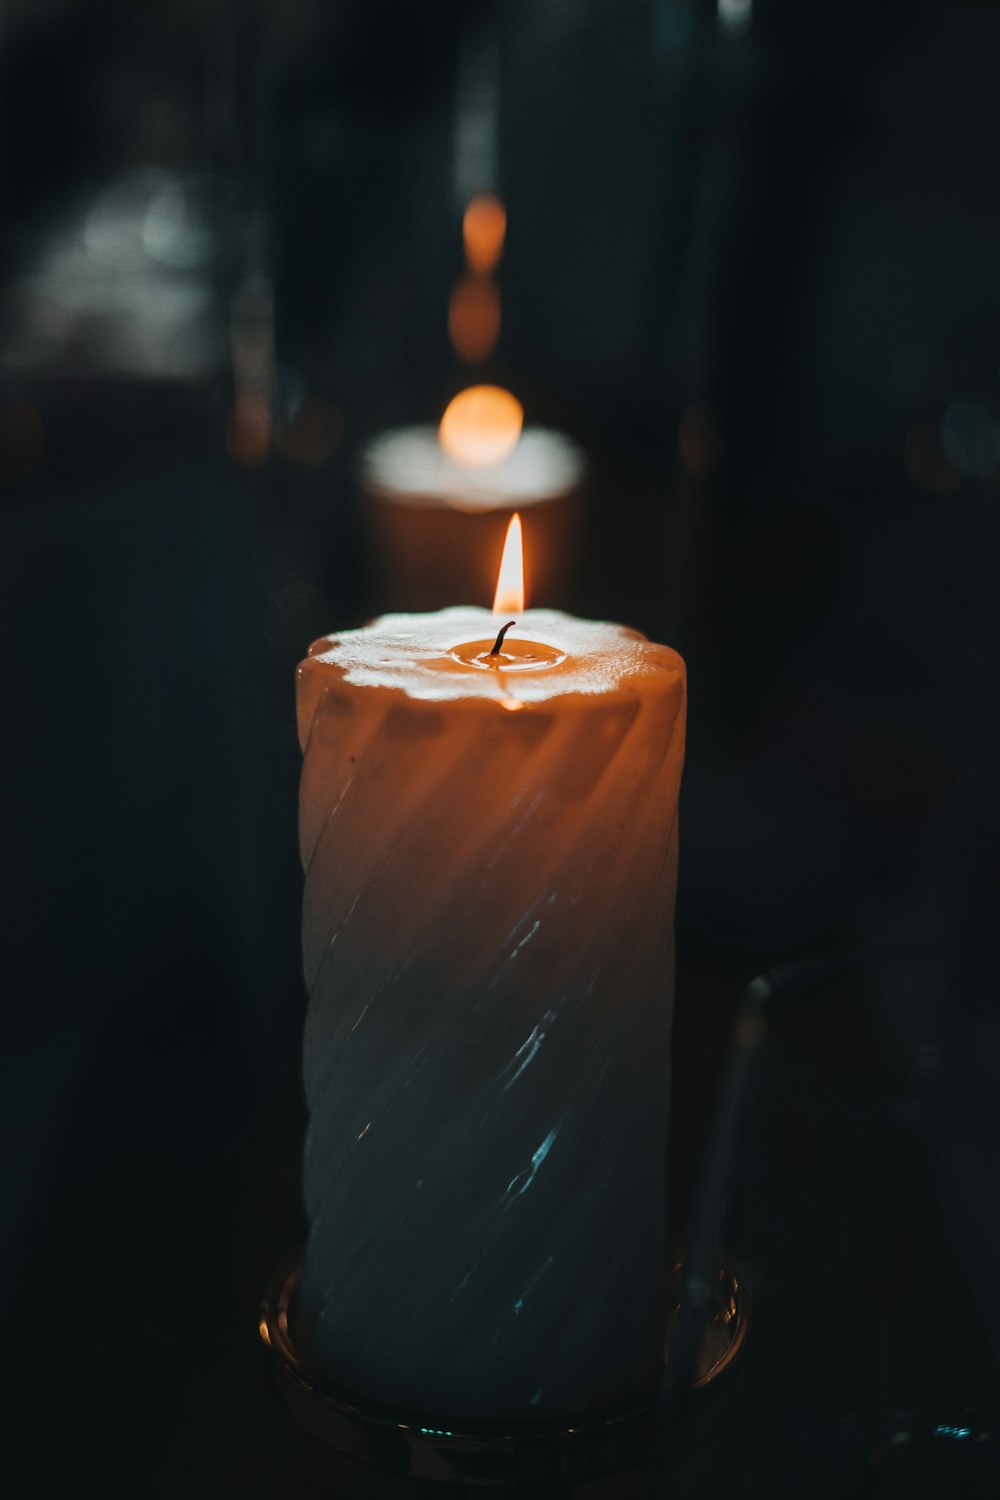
(484, 225)
(177, 227)
(481, 425)
(474, 317)
(735, 15)
(971, 439)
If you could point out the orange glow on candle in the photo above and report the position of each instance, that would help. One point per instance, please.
(484, 225)
(509, 597)
(481, 425)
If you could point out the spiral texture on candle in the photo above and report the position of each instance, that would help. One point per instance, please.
(488, 948)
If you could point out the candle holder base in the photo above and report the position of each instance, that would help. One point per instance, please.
(428, 1446)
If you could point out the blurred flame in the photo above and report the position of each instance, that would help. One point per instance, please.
(481, 425)
(484, 225)
(248, 430)
(509, 597)
(474, 317)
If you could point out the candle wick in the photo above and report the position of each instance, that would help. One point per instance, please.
(499, 640)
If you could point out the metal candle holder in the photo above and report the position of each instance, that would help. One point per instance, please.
(429, 1446)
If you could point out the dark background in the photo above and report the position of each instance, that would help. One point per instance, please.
(753, 270)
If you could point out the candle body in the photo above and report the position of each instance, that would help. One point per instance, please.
(436, 527)
(487, 935)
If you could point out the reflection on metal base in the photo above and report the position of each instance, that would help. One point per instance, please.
(427, 1446)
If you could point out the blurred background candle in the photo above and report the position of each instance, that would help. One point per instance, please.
(438, 502)
(490, 845)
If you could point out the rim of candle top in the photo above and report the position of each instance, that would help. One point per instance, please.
(441, 657)
(408, 467)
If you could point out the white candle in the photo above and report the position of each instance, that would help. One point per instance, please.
(490, 848)
(437, 524)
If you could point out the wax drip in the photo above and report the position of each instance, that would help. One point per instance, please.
(499, 640)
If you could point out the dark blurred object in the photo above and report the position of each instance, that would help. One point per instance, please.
(853, 1139)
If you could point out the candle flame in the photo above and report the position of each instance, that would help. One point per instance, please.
(481, 425)
(509, 597)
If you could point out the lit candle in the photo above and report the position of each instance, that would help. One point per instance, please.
(488, 825)
(438, 500)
